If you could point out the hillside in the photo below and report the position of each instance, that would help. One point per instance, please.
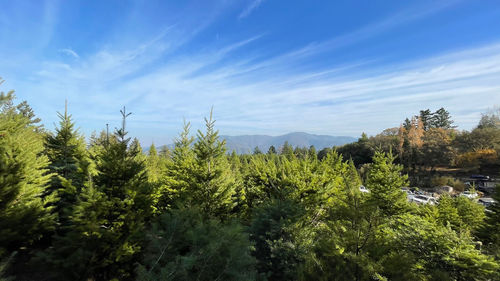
(246, 143)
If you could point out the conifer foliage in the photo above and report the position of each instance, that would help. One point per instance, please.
(24, 212)
(109, 211)
(213, 185)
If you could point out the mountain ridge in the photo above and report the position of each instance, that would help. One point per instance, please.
(246, 143)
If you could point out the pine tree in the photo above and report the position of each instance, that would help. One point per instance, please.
(426, 117)
(442, 119)
(213, 187)
(174, 188)
(384, 180)
(184, 245)
(287, 150)
(103, 241)
(68, 162)
(490, 232)
(24, 215)
(271, 150)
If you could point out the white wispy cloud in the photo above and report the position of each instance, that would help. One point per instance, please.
(340, 100)
(250, 8)
(69, 52)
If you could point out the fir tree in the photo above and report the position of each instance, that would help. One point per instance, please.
(213, 187)
(184, 245)
(103, 241)
(174, 189)
(442, 119)
(68, 162)
(271, 150)
(384, 180)
(490, 232)
(24, 215)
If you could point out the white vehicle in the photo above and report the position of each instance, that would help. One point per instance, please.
(409, 194)
(424, 199)
(363, 189)
(486, 201)
(468, 194)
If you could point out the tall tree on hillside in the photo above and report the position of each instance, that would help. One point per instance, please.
(24, 177)
(384, 180)
(341, 246)
(442, 119)
(426, 118)
(213, 185)
(68, 162)
(175, 183)
(436, 149)
(287, 150)
(271, 150)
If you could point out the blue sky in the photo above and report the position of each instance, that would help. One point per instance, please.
(266, 66)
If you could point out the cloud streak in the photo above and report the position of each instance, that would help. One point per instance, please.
(256, 102)
(250, 8)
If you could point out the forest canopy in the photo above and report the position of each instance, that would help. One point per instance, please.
(105, 210)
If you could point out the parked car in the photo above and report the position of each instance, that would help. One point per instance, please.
(424, 199)
(363, 189)
(409, 193)
(468, 194)
(486, 201)
(479, 177)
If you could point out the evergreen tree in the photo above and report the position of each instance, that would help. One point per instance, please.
(183, 245)
(490, 232)
(24, 213)
(213, 185)
(103, 241)
(430, 251)
(384, 180)
(271, 150)
(426, 118)
(287, 150)
(276, 247)
(442, 119)
(311, 153)
(165, 152)
(257, 150)
(342, 246)
(68, 162)
(175, 183)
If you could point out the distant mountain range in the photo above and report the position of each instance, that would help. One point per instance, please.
(247, 143)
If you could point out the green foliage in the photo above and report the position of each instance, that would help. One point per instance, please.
(490, 232)
(384, 180)
(342, 242)
(212, 186)
(360, 152)
(103, 241)
(68, 163)
(437, 252)
(24, 213)
(441, 119)
(276, 249)
(184, 245)
(197, 213)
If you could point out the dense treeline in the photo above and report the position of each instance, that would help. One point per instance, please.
(106, 211)
(428, 146)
